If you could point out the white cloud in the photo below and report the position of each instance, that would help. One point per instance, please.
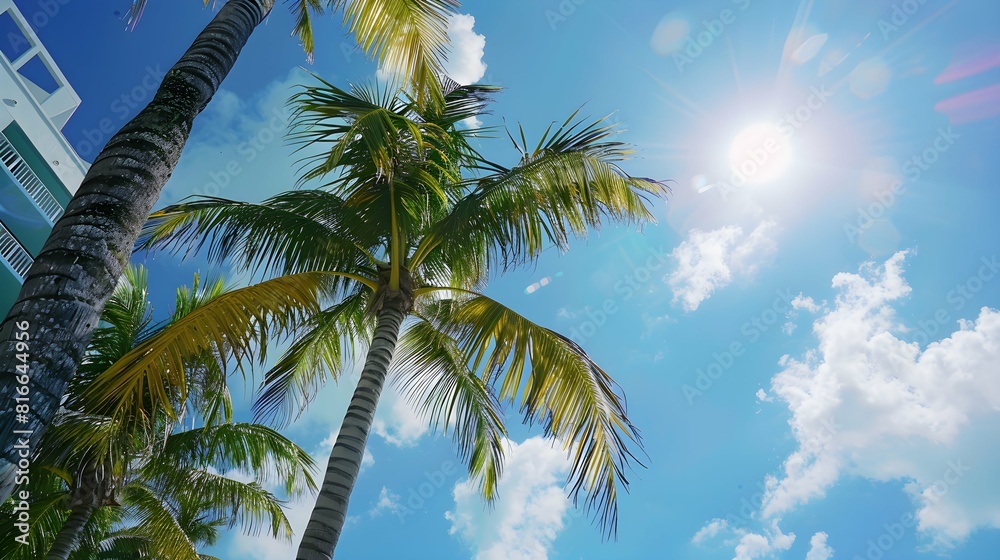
(465, 55)
(708, 261)
(866, 403)
(465, 51)
(387, 502)
(818, 549)
(710, 530)
(397, 421)
(530, 511)
(749, 545)
(807, 303)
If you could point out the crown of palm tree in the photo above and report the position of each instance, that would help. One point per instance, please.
(407, 206)
(161, 479)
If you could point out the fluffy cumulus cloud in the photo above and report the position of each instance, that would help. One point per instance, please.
(530, 511)
(818, 549)
(465, 55)
(709, 260)
(748, 545)
(396, 421)
(865, 402)
(465, 52)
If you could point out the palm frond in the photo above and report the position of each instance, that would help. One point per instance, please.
(246, 504)
(292, 232)
(554, 382)
(250, 449)
(320, 350)
(407, 37)
(155, 518)
(433, 373)
(569, 183)
(243, 319)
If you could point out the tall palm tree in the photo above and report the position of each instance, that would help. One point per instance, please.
(166, 477)
(76, 271)
(410, 223)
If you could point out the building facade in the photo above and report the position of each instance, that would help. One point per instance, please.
(39, 169)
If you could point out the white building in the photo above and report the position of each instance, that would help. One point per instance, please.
(39, 170)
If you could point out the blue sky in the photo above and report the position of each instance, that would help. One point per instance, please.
(808, 336)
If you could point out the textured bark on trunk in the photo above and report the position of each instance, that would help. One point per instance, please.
(76, 271)
(89, 495)
(328, 516)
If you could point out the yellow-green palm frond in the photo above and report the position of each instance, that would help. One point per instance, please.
(153, 373)
(320, 350)
(250, 449)
(292, 232)
(570, 182)
(407, 37)
(434, 375)
(126, 319)
(153, 516)
(46, 514)
(554, 382)
(244, 504)
(302, 11)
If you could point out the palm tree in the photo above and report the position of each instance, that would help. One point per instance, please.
(410, 223)
(76, 271)
(166, 475)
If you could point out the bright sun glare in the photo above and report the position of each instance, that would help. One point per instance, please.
(760, 154)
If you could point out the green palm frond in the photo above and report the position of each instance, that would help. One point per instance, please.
(125, 320)
(244, 504)
(407, 37)
(155, 518)
(250, 449)
(242, 319)
(433, 373)
(554, 382)
(569, 183)
(292, 232)
(320, 350)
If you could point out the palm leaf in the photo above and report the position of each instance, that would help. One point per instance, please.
(319, 351)
(553, 381)
(250, 449)
(433, 374)
(242, 319)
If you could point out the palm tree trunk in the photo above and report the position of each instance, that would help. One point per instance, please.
(76, 271)
(69, 536)
(330, 512)
(88, 495)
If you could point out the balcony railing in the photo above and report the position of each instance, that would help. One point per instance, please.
(27, 179)
(12, 252)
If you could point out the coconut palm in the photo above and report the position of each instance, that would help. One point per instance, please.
(408, 226)
(145, 486)
(76, 271)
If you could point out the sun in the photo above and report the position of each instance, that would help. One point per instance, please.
(760, 154)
